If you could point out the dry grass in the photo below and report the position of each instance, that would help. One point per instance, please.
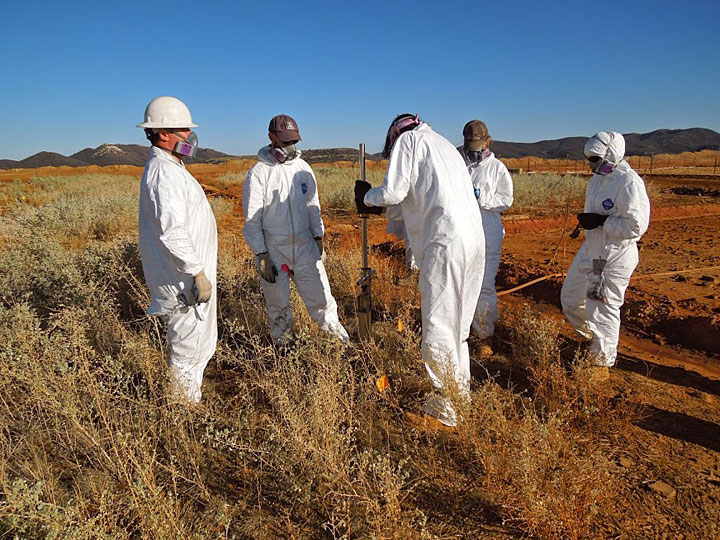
(297, 445)
(547, 193)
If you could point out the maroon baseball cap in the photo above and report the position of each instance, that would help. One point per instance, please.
(285, 128)
(475, 132)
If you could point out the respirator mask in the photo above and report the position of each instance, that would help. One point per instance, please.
(476, 156)
(285, 153)
(187, 147)
(599, 165)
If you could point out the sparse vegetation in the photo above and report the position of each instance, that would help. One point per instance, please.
(300, 445)
(547, 193)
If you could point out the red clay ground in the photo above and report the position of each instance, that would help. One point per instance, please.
(669, 361)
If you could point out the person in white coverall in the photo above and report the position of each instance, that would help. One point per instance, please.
(178, 245)
(493, 189)
(396, 227)
(427, 178)
(616, 215)
(284, 230)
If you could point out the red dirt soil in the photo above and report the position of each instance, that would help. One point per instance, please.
(669, 352)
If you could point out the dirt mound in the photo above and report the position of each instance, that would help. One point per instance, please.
(693, 190)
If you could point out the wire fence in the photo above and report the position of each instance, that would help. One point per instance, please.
(695, 163)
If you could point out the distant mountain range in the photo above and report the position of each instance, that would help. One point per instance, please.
(105, 154)
(661, 141)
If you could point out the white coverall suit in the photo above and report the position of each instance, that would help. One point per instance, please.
(428, 179)
(396, 227)
(178, 239)
(494, 193)
(282, 217)
(622, 197)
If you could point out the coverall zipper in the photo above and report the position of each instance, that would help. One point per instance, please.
(292, 222)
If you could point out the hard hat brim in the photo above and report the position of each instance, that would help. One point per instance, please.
(159, 125)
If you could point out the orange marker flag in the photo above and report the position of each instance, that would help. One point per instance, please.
(400, 325)
(382, 383)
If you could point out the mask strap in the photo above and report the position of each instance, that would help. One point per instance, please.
(279, 154)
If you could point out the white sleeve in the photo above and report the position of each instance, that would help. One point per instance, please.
(253, 204)
(313, 205)
(398, 177)
(631, 214)
(502, 199)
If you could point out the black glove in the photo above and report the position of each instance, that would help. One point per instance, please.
(361, 188)
(590, 220)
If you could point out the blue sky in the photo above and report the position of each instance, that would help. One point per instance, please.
(78, 74)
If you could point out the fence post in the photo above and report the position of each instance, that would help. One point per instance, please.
(715, 166)
(528, 167)
(652, 158)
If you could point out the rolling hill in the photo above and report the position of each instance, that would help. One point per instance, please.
(105, 154)
(661, 141)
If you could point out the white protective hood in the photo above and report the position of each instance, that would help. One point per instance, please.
(609, 145)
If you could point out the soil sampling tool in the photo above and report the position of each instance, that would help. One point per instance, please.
(364, 299)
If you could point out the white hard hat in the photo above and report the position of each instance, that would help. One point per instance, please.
(167, 112)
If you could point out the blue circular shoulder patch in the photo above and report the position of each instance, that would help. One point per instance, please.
(608, 204)
(303, 186)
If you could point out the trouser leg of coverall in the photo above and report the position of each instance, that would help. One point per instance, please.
(486, 313)
(410, 263)
(277, 299)
(191, 343)
(313, 286)
(601, 319)
(446, 283)
(573, 297)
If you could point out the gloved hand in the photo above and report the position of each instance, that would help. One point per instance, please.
(202, 288)
(265, 267)
(591, 220)
(319, 242)
(361, 188)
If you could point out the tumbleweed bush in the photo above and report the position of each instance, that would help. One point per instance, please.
(293, 444)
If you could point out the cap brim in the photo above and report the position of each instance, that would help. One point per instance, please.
(287, 136)
(474, 144)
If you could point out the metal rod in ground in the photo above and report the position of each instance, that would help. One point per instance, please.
(364, 299)
(363, 217)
